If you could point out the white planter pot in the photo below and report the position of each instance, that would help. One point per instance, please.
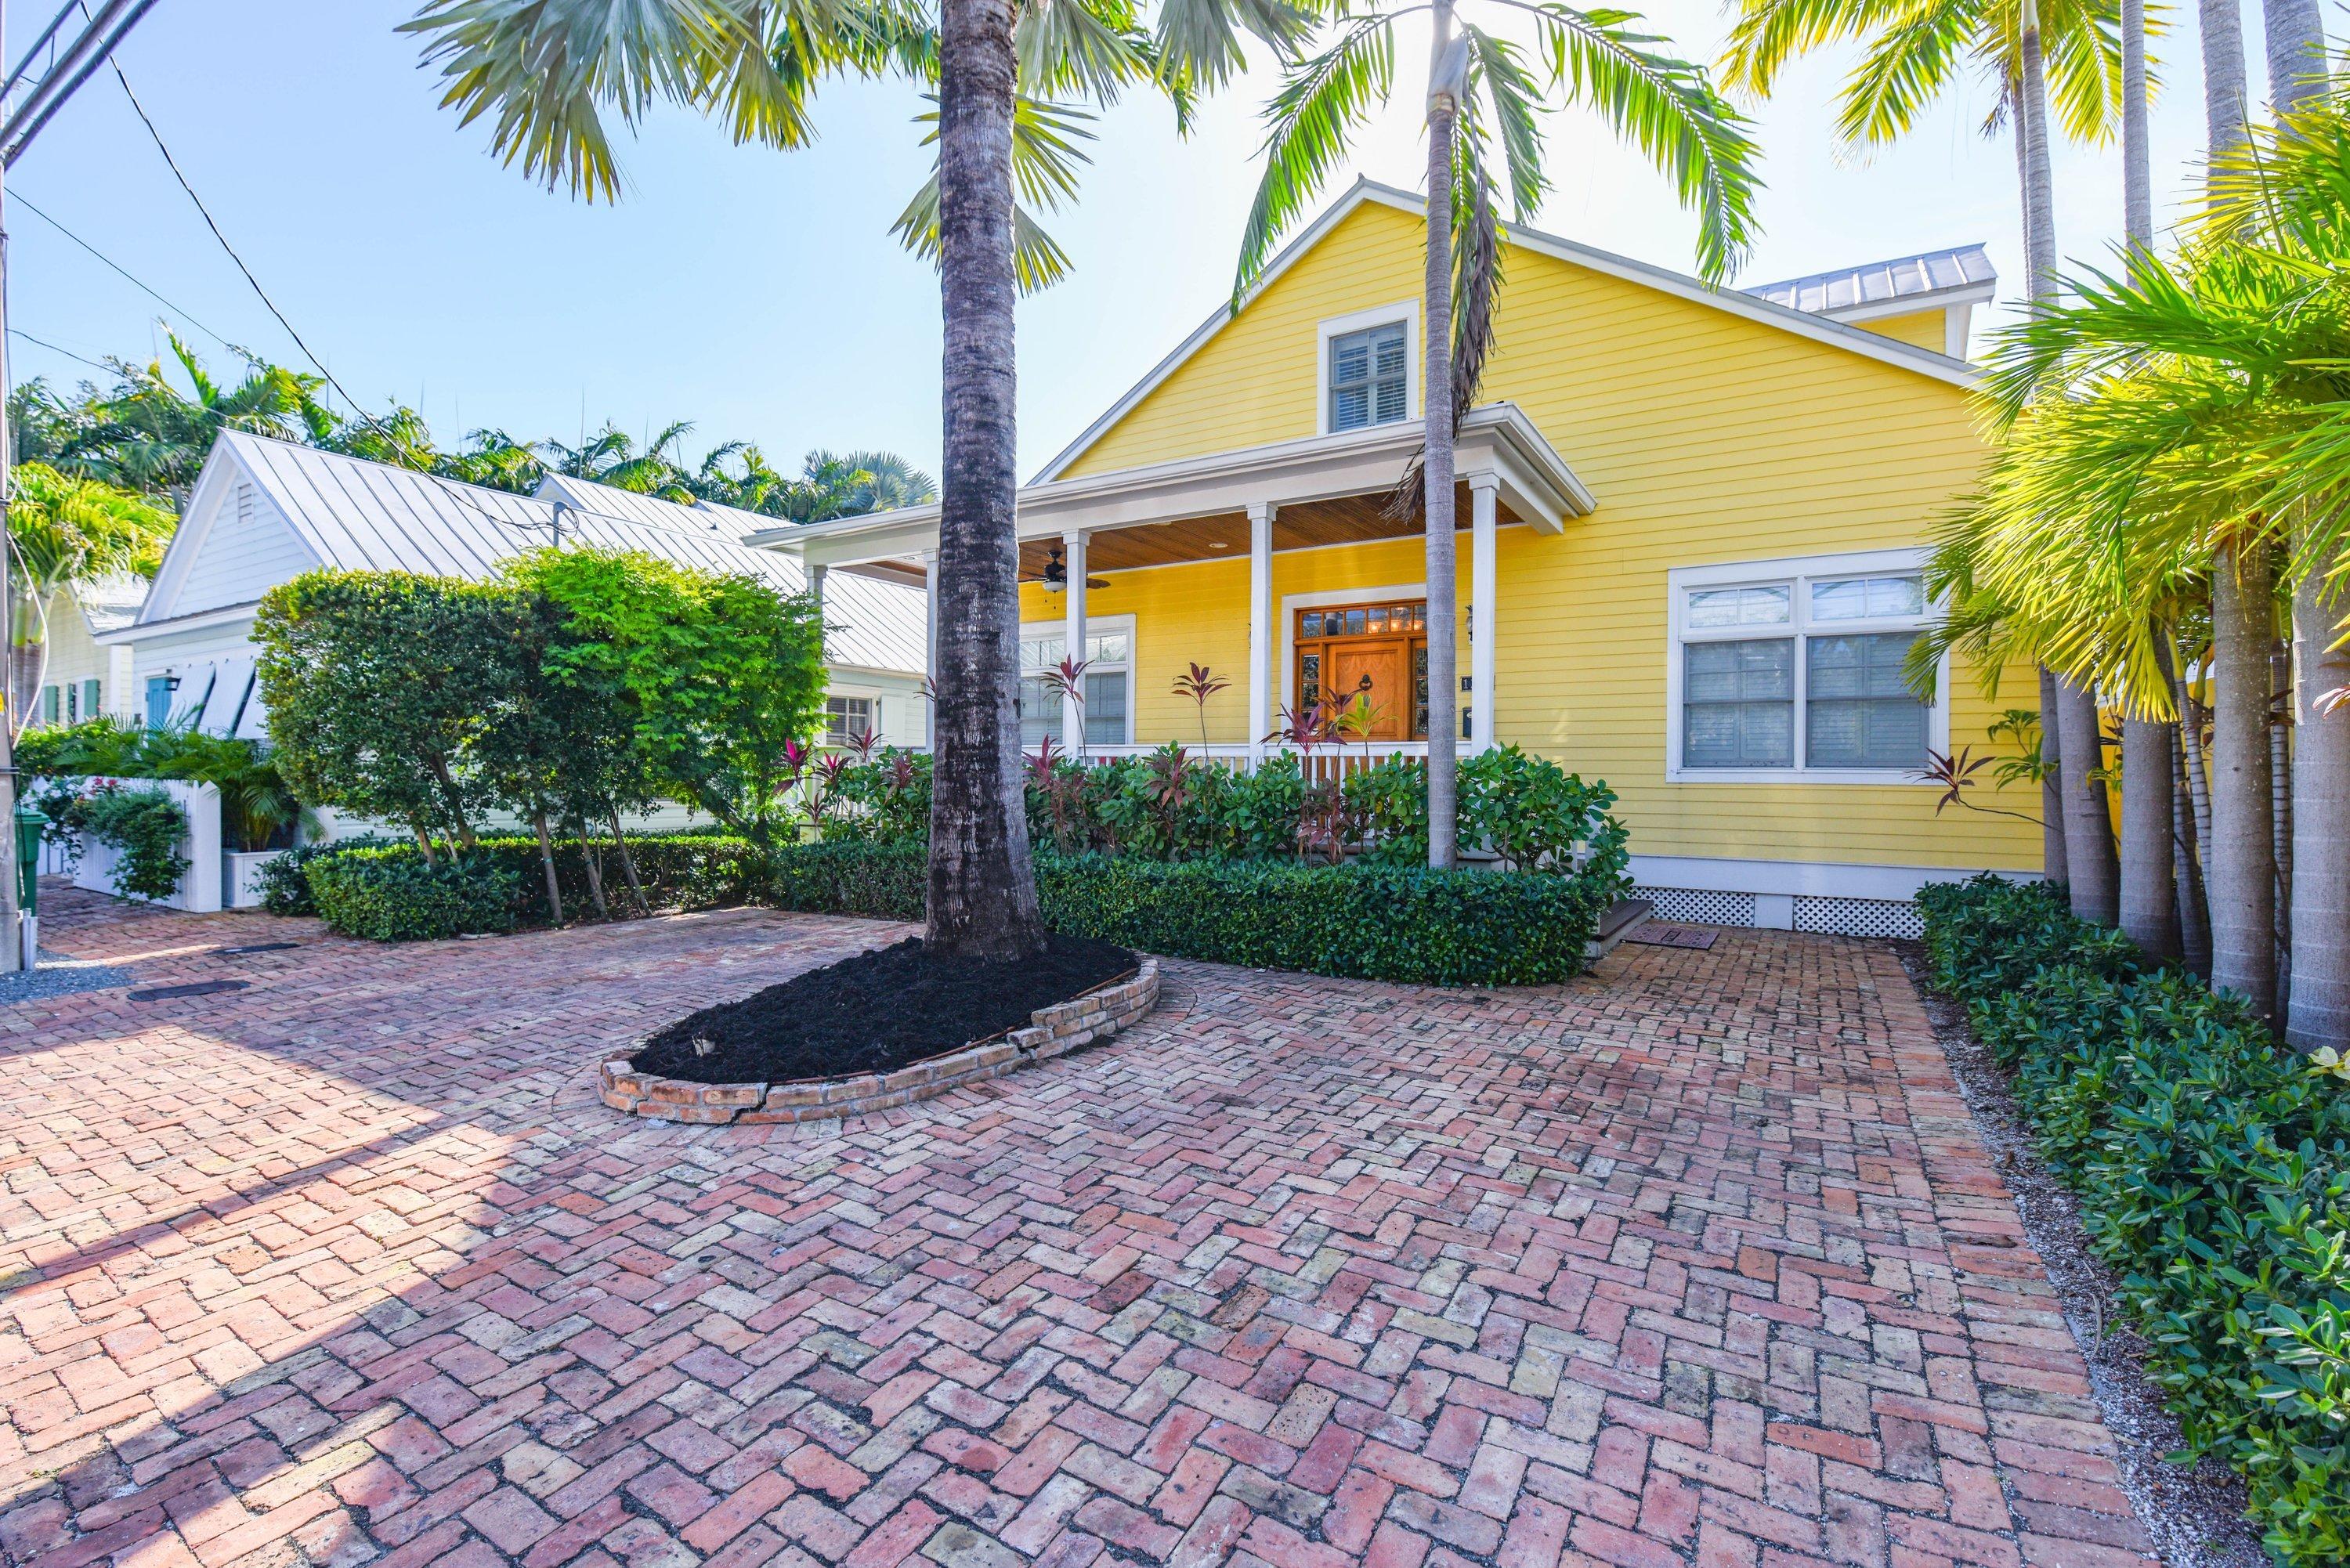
(241, 875)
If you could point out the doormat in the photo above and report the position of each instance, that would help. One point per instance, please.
(1654, 935)
(201, 988)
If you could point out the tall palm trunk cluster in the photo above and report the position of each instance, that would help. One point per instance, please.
(2160, 530)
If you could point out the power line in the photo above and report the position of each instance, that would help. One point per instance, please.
(377, 425)
(182, 315)
(20, 332)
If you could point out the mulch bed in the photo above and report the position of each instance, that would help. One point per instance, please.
(875, 1012)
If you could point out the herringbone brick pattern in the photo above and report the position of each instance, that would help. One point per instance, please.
(1695, 1261)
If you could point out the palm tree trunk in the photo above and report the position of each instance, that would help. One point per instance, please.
(2296, 50)
(2095, 875)
(1436, 382)
(2319, 1013)
(2186, 873)
(2242, 867)
(546, 864)
(628, 863)
(2281, 810)
(2195, 923)
(2051, 784)
(2149, 893)
(2052, 859)
(983, 890)
(2221, 26)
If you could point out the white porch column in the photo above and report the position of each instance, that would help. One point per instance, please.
(1073, 550)
(815, 583)
(1261, 639)
(1484, 595)
(930, 645)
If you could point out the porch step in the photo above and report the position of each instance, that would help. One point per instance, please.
(1622, 918)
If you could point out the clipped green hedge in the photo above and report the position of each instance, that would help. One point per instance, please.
(2213, 1165)
(1439, 927)
(1367, 923)
(392, 895)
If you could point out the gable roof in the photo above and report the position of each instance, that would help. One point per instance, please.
(1921, 280)
(348, 513)
(1802, 324)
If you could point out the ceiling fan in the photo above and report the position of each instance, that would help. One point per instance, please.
(1056, 575)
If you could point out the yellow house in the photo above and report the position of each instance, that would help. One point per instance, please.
(1694, 523)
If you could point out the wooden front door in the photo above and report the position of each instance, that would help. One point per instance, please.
(1375, 669)
(1377, 651)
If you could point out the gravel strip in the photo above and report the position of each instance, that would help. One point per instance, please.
(2196, 1515)
(59, 976)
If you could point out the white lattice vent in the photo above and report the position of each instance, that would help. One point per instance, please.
(1859, 917)
(1701, 906)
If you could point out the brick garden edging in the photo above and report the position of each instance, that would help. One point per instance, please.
(1064, 1026)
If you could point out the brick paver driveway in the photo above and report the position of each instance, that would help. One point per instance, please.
(1695, 1261)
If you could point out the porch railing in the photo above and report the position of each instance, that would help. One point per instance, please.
(1323, 765)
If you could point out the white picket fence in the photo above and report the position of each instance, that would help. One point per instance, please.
(216, 877)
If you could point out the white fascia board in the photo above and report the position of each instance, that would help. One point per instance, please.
(221, 464)
(1497, 438)
(140, 632)
(1916, 303)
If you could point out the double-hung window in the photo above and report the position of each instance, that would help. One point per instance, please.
(1797, 668)
(847, 719)
(1370, 376)
(1108, 683)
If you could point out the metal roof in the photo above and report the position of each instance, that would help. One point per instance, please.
(111, 601)
(1933, 272)
(369, 516)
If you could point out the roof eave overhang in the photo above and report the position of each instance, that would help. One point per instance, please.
(1497, 440)
(1915, 304)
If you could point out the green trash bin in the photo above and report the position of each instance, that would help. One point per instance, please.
(29, 825)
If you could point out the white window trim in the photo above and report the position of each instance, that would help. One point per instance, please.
(1095, 623)
(872, 700)
(1405, 311)
(1791, 570)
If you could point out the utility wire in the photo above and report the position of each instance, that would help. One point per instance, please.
(20, 332)
(388, 434)
(19, 199)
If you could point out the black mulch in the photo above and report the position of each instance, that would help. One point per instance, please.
(874, 1012)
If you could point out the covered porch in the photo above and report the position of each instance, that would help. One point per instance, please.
(1276, 568)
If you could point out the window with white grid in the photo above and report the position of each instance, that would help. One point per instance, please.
(1798, 669)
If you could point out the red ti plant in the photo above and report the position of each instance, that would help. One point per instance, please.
(1956, 773)
(1200, 684)
(1067, 680)
(862, 745)
(1060, 791)
(1321, 818)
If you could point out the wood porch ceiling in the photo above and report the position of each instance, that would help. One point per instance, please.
(1348, 520)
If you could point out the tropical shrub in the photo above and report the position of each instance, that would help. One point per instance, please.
(258, 809)
(2213, 1165)
(395, 894)
(145, 827)
(1410, 924)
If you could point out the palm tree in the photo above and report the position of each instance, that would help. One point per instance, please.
(147, 435)
(1914, 51)
(1481, 90)
(66, 532)
(2182, 417)
(2149, 893)
(547, 70)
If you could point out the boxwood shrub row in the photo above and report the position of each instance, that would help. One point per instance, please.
(1442, 927)
(2213, 1165)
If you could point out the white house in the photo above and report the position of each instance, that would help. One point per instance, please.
(263, 511)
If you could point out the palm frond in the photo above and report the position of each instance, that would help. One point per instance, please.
(1767, 34)
(1907, 66)
(1667, 108)
(1046, 160)
(1321, 100)
(1503, 82)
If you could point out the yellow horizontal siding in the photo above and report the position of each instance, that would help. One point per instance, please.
(1925, 328)
(1706, 438)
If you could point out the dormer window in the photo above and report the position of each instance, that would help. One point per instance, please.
(1370, 376)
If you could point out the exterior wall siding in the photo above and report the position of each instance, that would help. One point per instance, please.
(1706, 438)
(1923, 328)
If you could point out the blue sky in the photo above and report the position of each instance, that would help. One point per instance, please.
(758, 293)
